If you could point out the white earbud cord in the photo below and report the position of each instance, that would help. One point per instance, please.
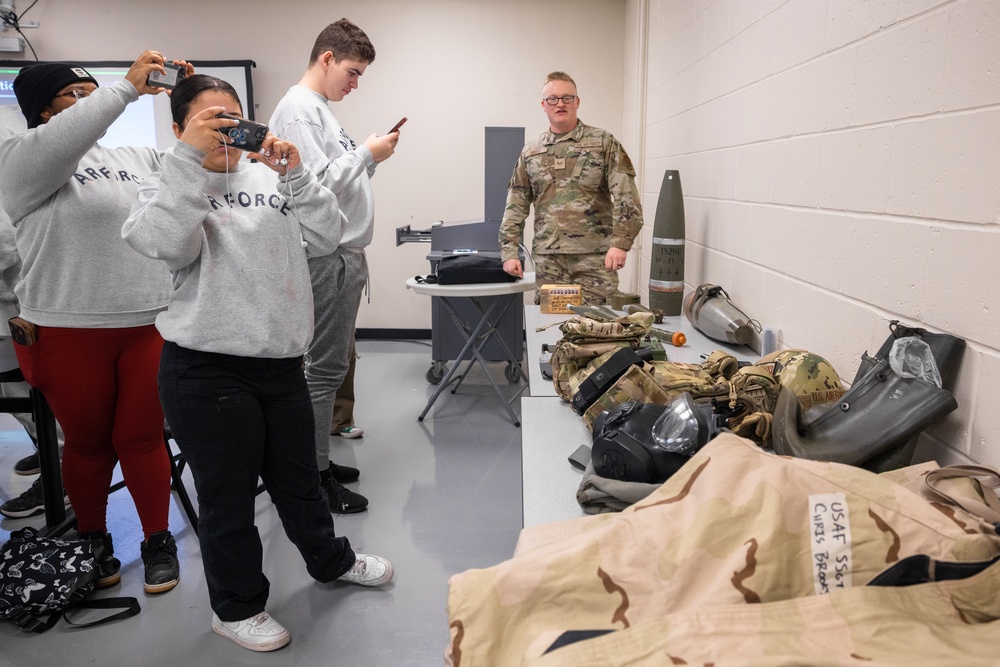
(284, 268)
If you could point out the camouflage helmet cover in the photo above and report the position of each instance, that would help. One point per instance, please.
(808, 375)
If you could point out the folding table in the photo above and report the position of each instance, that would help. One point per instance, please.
(491, 301)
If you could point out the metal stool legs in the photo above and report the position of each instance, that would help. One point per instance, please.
(177, 463)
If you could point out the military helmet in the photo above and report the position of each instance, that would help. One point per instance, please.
(808, 375)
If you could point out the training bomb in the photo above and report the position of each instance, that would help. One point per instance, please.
(666, 261)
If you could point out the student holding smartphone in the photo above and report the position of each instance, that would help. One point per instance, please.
(236, 238)
(340, 55)
(89, 300)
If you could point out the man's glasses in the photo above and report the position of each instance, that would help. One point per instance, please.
(76, 93)
(565, 99)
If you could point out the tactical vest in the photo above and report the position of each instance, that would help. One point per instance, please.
(584, 339)
(747, 395)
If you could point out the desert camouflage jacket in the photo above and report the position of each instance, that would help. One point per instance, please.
(582, 185)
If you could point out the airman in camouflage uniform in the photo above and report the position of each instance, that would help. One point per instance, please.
(587, 208)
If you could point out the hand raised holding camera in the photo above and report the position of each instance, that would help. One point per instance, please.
(278, 155)
(169, 75)
(147, 63)
(206, 132)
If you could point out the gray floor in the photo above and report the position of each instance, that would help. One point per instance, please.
(445, 497)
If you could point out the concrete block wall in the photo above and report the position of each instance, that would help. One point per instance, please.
(840, 161)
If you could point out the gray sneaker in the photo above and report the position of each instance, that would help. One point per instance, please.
(28, 503)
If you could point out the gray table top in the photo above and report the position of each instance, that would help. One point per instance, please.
(551, 431)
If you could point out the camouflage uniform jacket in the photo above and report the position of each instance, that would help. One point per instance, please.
(582, 185)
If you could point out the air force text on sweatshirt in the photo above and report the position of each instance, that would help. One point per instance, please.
(67, 197)
(237, 246)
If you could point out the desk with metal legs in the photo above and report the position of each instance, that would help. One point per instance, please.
(491, 301)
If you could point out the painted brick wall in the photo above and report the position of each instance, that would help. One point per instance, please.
(840, 161)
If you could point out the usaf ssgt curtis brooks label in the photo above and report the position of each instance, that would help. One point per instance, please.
(830, 533)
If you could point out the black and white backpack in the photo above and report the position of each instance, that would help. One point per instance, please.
(41, 578)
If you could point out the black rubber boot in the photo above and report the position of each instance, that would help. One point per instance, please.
(880, 412)
(947, 351)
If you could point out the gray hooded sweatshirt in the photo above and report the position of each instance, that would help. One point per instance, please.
(304, 118)
(67, 197)
(236, 245)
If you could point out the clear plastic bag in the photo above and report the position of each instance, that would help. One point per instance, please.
(911, 357)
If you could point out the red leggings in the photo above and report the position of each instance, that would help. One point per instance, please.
(101, 385)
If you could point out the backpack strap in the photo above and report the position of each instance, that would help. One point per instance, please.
(45, 622)
(128, 605)
(37, 624)
(987, 481)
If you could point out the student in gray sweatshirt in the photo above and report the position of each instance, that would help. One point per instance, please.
(339, 57)
(236, 239)
(91, 298)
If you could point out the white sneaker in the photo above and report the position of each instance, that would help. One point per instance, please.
(257, 633)
(350, 432)
(369, 571)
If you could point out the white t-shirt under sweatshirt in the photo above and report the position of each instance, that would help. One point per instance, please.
(304, 118)
(236, 245)
(67, 197)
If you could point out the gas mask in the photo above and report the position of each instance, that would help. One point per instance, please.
(646, 442)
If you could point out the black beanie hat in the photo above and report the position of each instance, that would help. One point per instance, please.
(36, 86)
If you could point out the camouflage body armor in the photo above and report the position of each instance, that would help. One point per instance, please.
(585, 339)
(746, 396)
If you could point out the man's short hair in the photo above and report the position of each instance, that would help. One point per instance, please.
(344, 40)
(559, 76)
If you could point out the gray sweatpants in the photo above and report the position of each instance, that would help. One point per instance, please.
(338, 281)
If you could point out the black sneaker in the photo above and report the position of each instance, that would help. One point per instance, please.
(341, 499)
(28, 465)
(159, 556)
(110, 569)
(344, 474)
(28, 503)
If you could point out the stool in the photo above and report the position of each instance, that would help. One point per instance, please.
(177, 465)
(56, 519)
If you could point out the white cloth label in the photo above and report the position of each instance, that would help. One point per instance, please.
(830, 538)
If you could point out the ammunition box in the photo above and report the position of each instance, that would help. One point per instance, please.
(556, 299)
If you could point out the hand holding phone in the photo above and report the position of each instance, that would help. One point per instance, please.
(247, 136)
(169, 79)
(395, 128)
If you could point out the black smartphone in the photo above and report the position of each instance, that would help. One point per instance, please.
(397, 125)
(247, 136)
(169, 79)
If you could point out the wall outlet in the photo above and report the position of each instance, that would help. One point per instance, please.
(11, 45)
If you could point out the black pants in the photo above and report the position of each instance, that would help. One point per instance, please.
(236, 419)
